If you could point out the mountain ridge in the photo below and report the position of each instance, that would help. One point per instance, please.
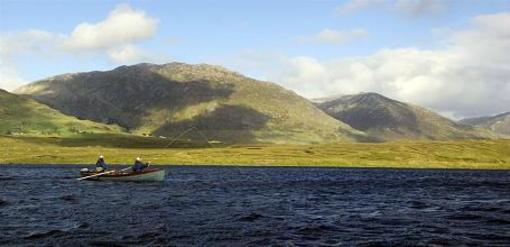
(166, 99)
(499, 123)
(389, 119)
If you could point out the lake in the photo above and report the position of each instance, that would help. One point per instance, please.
(232, 206)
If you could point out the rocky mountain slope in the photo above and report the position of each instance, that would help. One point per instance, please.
(165, 100)
(24, 116)
(389, 119)
(499, 123)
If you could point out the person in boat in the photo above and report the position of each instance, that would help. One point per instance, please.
(100, 164)
(139, 165)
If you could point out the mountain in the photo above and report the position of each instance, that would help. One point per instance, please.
(499, 123)
(389, 119)
(165, 100)
(325, 99)
(24, 116)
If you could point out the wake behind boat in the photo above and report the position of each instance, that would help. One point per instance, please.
(146, 175)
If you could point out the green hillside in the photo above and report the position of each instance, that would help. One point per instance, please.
(165, 100)
(23, 116)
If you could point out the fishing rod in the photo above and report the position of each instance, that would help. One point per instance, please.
(186, 132)
(205, 138)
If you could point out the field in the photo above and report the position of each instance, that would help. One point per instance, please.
(476, 154)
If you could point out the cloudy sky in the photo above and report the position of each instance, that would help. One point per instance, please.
(451, 56)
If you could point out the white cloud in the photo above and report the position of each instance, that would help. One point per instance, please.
(116, 38)
(469, 75)
(131, 54)
(414, 8)
(27, 41)
(353, 6)
(126, 54)
(10, 78)
(329, 36)
(420, 7)
(124, 25)
(14, 45)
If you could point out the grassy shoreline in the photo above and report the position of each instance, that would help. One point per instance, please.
(471, 154)
(389, 167)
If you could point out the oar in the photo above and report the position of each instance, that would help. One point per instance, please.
(100, 174)
(95, 175)
(127, 168)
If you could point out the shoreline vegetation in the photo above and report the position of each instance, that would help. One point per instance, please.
(465, 154)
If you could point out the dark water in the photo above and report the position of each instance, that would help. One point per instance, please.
(209, 206)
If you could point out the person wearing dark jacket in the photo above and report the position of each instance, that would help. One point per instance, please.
(139, 165)
(101, 165)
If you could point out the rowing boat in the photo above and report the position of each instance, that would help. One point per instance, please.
(146, 175)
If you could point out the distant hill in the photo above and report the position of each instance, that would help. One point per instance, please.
(499, 123)
(165, 100)
(325, 99)
(389, 119)
(24, 116)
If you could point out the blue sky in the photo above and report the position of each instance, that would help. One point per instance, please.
(289, 42)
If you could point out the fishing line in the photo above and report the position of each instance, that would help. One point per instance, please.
(186, 132)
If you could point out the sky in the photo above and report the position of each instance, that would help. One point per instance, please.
(450, 56)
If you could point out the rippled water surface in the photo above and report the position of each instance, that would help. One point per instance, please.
(42, 205)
